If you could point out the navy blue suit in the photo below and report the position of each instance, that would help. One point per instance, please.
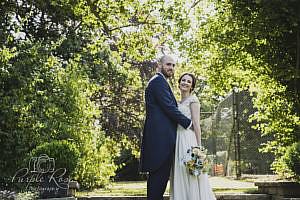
(159, 134)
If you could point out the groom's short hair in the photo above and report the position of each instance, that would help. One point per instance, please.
(162, 59)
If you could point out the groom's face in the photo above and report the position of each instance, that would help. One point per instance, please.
(167, 67)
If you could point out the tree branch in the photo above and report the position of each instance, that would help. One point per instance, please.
(132, 25)
(195, 4)
(106, 30)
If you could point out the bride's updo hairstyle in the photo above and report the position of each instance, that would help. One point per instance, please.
(193, 79)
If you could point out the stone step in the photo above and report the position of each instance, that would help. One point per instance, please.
(219, 197)
(291, 199)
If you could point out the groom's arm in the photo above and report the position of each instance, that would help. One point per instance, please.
(160, 90)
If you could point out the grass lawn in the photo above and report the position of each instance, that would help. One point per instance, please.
(130, 188)
(138, 188)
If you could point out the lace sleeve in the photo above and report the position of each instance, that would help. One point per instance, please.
(194, 99)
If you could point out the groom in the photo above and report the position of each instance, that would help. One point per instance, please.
(159, 134)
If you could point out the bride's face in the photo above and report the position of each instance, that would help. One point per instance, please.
(185, 84)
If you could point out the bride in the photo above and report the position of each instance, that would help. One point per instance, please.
(183, 185)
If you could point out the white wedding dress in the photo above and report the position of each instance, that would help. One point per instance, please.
(184, 186)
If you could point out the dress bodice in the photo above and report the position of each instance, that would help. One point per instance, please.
(184, 106)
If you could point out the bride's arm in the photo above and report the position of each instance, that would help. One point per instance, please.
(195, 111)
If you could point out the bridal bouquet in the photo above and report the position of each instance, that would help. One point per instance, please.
(195, 158)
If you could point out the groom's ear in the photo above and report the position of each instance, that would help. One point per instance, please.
(157, 63)
(158, 66)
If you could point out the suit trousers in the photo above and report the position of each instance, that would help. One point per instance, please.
(158, 180)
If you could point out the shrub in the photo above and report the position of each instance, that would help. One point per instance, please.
(7, 195)
(96, 167)
(65, 154)
(292, 159)
(26, 196)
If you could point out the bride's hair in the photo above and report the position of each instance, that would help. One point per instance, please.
(193, 79)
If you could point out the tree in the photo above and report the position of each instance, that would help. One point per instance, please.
(45, 102)
(250, 45)
(69, 69)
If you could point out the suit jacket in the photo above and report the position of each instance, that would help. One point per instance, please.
(162, 117)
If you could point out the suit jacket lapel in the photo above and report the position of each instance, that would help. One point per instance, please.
(170, 90)
(173, 96)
